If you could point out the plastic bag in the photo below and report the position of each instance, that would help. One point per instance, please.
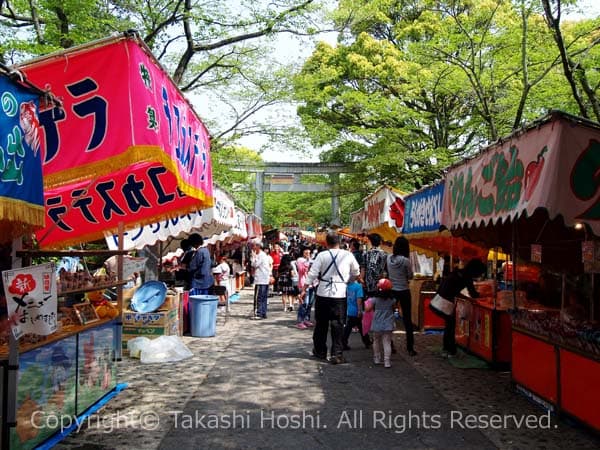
(165, 349)
(136, 345)
(367, 318)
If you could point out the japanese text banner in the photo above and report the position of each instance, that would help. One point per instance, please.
(21, 190)
(120, 108)
(236, 233)
(139, 194)
(553, 166)
(383, 213)
(31, 298)
(423, 210)
(384, 206)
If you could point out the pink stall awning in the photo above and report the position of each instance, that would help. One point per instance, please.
(552, 165)
(123, 119)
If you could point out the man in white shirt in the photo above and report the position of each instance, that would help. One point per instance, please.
(261, 266)
(334, 268)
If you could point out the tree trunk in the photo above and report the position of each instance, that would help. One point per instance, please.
(568, 66)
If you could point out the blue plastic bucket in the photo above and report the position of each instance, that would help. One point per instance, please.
(203, 315)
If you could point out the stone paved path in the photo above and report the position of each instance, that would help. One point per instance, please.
(255, 385)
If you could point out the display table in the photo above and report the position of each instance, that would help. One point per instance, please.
(61, 376)
(562, 379)
(484, 330)
(421, 293)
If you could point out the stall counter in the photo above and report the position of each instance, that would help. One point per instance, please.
(562, 379)
(421, 293)
(62, 376)
(484, 330)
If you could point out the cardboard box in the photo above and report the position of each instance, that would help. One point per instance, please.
(172, 300)
(151, 325)
(159, 318)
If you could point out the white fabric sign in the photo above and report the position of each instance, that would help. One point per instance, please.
(31, 299)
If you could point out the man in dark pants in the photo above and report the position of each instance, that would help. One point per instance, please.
(334, 268)
(200, 267)
(261, 267)
(449, 289)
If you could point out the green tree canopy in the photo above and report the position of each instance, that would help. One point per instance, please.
(414, 85)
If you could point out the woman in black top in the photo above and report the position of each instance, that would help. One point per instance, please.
(450, 288)
(285, 283)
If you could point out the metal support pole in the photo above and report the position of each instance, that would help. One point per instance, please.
(258, 202)
(9, 408)
(119, 324)
(514, 264)
(335, 198)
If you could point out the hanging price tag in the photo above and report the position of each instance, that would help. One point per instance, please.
(536, 253)
(590, 255)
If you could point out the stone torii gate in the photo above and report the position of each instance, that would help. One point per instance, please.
(285, 177)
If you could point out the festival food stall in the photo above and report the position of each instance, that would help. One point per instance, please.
(21, 213)
(422, 227)
(383, 213)
(214, 224)
(126, 149)
(535, 193)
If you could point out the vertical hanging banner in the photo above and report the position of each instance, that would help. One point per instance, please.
(122, 113)
(21, 190)
(31, 299)
(357, 220)
(253, 227)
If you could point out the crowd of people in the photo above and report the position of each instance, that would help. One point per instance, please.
(345, 283)
(203, 270)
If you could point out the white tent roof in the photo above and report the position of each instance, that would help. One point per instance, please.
(217, 220)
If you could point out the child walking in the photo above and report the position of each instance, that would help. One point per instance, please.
(383, 322)
(354, 297)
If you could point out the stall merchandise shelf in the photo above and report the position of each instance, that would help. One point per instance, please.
(99, 287)
(63, 373)
(73, 253)
(64, 333)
